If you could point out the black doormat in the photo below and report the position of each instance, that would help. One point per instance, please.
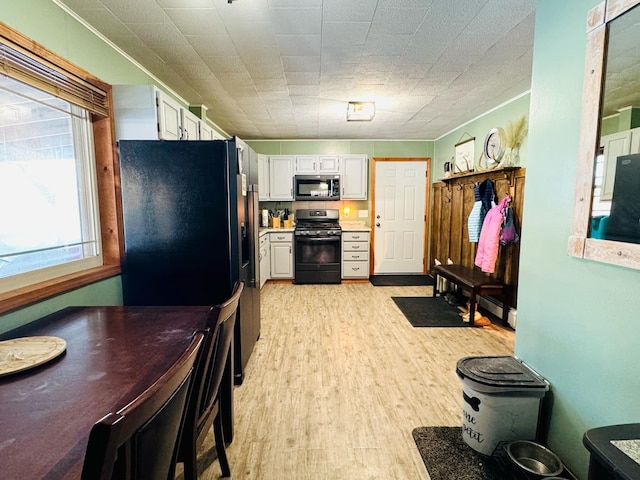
(429, 312)
(400, 280)
(447, 456)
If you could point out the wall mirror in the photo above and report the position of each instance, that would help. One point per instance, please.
(606, 221)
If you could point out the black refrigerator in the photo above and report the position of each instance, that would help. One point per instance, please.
(190, 212)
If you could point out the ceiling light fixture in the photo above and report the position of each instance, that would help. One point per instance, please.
(360, 111)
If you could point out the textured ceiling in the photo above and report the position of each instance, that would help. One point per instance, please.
(622, 74)
(286, 68)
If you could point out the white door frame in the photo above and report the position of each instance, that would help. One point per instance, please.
(372, 220)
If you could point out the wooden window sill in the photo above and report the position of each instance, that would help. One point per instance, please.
(37, 292)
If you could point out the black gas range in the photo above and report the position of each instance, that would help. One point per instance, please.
(317, 246)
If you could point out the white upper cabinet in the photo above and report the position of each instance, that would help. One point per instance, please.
(317, 164)
(263, 177)
(281, 177)
(169, 117)
(143, 112)
(135, 112)
(190, 125)
(306, 164)
(354, 177)
(328, 164)
(206, 132)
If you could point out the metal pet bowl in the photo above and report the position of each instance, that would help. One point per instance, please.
(534, 459)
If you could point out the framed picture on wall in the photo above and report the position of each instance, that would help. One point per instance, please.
(464, 155)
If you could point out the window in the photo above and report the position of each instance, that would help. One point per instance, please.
(58, 221)
(47, 186)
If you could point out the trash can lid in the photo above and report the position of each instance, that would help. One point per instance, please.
(500, 372)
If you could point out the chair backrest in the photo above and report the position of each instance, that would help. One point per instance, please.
(139, 441)
(227, 313)
(213, 360)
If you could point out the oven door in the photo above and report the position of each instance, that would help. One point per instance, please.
(317, 259)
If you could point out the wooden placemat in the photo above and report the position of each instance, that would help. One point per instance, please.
(19, 354)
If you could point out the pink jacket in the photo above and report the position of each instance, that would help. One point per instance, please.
(490, 236)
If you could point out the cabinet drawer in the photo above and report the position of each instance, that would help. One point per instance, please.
(357, 256)
(355, 269)
(281, 237)
(355, 246)
(264, 240)
(355, 236)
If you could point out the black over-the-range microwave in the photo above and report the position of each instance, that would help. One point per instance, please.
(316, 187)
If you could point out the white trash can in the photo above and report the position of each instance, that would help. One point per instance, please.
(501, 401)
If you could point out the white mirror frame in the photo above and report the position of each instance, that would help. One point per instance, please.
(580, 245)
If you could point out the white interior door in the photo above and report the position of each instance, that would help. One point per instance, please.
(399, 217)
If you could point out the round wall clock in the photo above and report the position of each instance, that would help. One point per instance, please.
(493, 148)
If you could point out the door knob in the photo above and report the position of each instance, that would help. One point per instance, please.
(378, 224)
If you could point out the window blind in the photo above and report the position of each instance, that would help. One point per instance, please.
(28, 67)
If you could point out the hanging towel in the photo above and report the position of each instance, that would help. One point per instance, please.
(490, 236)
(484, 195)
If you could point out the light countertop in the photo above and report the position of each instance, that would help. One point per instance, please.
(359, 226)
(265, 230)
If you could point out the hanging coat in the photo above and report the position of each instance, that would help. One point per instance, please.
(484, 201)
(488, 244)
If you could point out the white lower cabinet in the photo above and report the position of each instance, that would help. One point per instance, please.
(265, 259)
(281, 246)
(355, 254)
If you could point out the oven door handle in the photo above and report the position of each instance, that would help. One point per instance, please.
(302, 238)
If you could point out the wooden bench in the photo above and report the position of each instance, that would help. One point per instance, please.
(477, 282)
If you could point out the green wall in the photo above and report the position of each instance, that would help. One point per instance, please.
(373, 148)
(577, 320)
(106, 292)
(478, 128)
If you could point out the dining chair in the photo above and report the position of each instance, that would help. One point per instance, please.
(203, 411)
(139, 441)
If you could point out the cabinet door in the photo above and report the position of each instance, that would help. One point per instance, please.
(263, 177)
(614, 145)
(281, 260)
(169, 117)
(281, 177)
(190, 126)
(354, 177)
(135, 111)
(206, 132)
(328, 164)
(265, 264)
(306, 164)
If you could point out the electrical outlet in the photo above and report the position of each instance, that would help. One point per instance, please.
(363, 213)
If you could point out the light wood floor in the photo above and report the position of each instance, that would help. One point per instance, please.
(339, 379)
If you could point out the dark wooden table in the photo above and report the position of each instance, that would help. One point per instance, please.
(113, 354)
